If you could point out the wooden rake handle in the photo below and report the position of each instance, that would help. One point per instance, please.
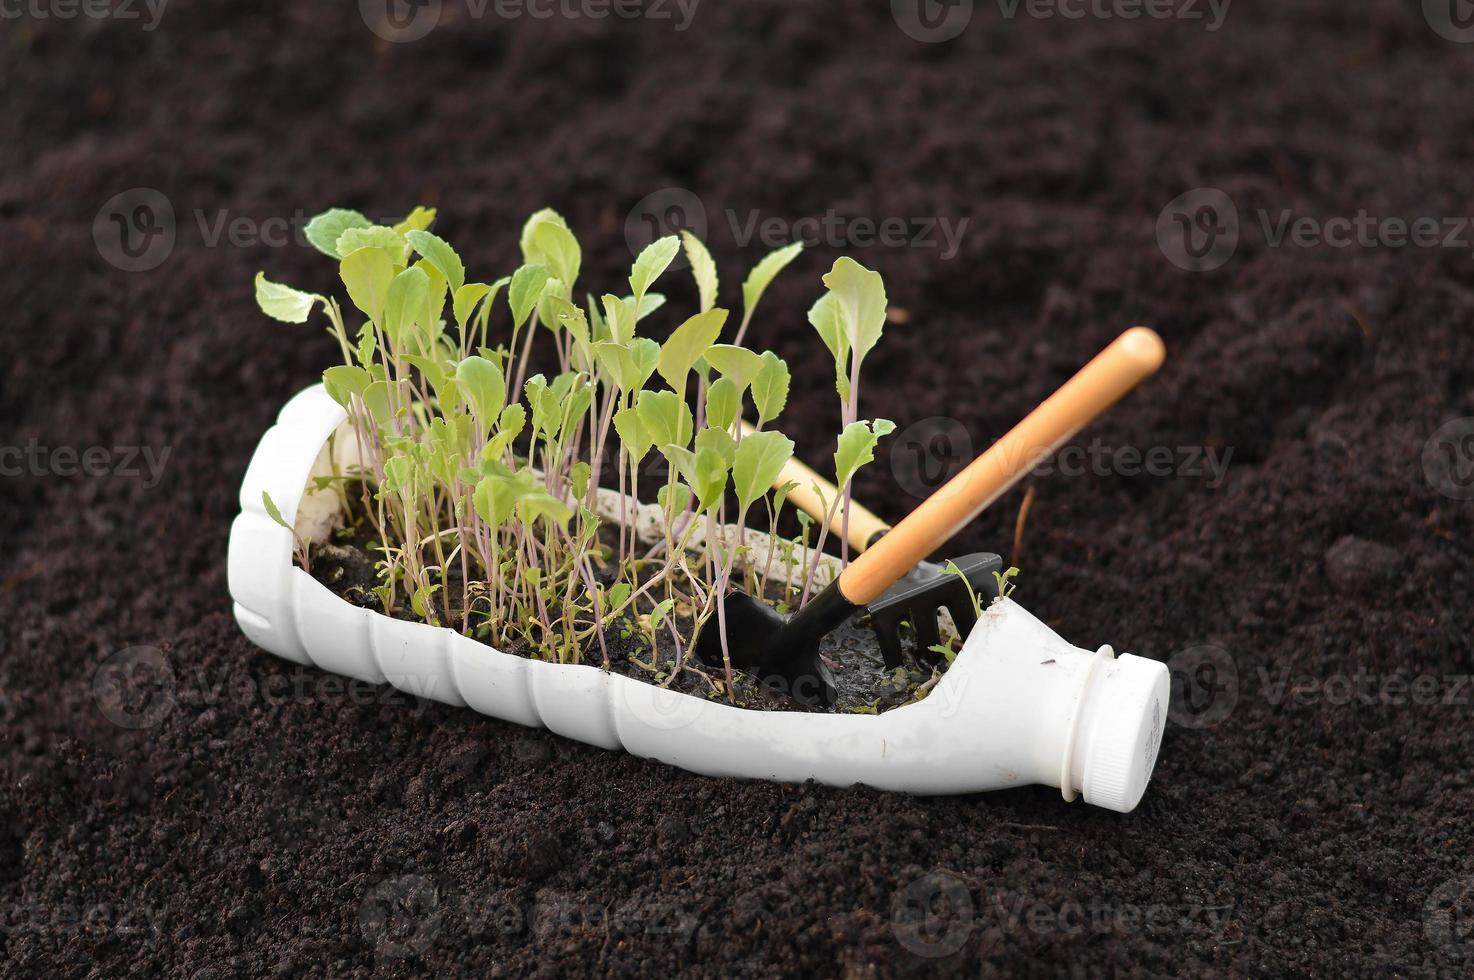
(1130, 359)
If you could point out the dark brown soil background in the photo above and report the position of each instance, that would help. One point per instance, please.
(270, 822)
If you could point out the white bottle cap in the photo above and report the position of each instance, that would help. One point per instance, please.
(1121, 731)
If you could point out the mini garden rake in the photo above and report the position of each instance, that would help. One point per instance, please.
(784, 651)
(920, 595)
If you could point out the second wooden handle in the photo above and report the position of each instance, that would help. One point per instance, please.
(813, 495)
(1129, 360)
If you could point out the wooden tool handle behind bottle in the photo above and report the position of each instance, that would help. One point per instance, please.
(1133, 357)
(814, 495)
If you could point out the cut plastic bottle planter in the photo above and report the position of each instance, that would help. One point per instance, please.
(1019, 705)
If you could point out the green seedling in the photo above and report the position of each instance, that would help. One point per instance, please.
(482, 480)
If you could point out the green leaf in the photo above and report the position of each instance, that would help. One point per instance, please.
(723, 400)
(283, 302)
(545, 216)
(620, 314)
(524, 292)
(376, 399)
(861, 297)
(544, 405)
(409, 295)
(704, 470)
(420, 601)
(759, 460)
(437, 252)
(646, 354)
(770, 388)
(648, 305)
(828, 319)
(324, 230)
(467, 299)
(655, 259)
(687, 343)
(618, 594)
(737, 363)
(719, 439)
(343, 382)
(483, 386)
(513, 420)
(665, 416)
(763, 274)
(417, 220)
(273, 512)
(661, 610)
(703, 270)
(399, 475)
(857, 447)
(495, 498)
(373, 236)
(367, 274)
(681, 500)
(578, 478)
(540, 503)
(555, 247)
(633, 435)
(616, 361)
(428, 320)
(563, 315)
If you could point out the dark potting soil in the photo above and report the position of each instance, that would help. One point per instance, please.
(244, 817)
(347, 565)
